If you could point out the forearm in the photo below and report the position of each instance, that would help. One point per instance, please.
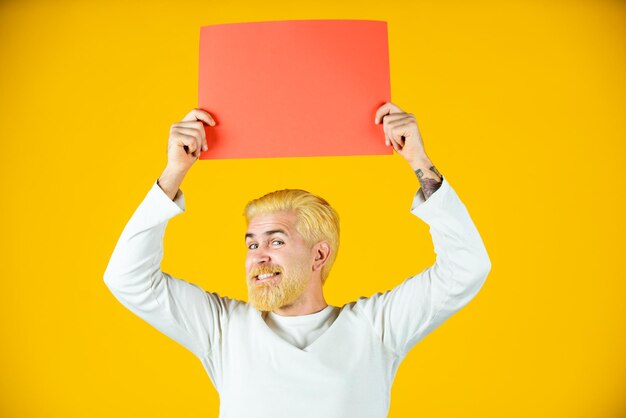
(462, 263)
(139, 249)
(430, 179)
(135, 259)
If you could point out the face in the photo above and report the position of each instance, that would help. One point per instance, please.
(278, 261)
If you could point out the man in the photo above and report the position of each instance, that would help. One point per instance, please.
(287, 353)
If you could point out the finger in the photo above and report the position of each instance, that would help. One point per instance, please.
(382, 111)
(395, 137)
(395, 109)
(197, 129)
(402, 121)
(192, 130)
(403, 127)
(403, 131)
(192, 124)
(199, 126)
(183, 140)
(386, 139)
(379, 116)
(390, 140)
(199, 114)
(399, 142)
(387, 142)
(388, 133)
(386, 109)
(394, 117)
(197, 133)
(386, 119)
(389, 127)
(396, 145)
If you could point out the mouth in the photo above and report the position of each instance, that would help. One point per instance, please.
(262, 278)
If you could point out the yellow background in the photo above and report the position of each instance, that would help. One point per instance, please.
(520, 104)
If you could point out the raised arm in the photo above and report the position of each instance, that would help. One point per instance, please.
(407, 313)
(181, 310)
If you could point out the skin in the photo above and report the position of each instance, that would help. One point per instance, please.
(299, 261)
(401, 132)
(300, 265)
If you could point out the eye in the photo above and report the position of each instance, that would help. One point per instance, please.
(252, 246)
(277, 241)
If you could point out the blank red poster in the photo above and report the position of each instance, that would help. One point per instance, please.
(294, 88)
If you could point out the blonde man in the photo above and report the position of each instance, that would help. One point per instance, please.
(286, 352)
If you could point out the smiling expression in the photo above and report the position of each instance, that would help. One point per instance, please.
(278, 261)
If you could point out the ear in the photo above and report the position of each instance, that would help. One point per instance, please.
(321, 251)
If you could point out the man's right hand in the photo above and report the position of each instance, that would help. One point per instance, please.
(187, 140)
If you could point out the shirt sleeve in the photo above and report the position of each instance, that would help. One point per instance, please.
(181, 310)
(407, 313)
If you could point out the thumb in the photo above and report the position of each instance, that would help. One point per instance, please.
(386, 109)
(199, 114)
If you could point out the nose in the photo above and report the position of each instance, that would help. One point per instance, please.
(261, 256)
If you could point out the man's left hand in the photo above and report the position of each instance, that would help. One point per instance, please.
(401, 132)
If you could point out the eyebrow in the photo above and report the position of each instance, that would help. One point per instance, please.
(271, 232)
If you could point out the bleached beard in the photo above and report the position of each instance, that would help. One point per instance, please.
(270, 295)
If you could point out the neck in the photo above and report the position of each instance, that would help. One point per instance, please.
(311, 301)
(300, 307)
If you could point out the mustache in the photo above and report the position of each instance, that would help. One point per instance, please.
(264, 269)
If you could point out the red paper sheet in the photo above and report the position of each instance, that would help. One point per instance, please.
(294, 88)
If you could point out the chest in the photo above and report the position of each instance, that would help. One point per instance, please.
(344, 366)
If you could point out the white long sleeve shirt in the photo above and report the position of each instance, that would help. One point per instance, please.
(270, 369)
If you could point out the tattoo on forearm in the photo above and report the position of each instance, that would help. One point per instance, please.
(434, 170)
(429, 184)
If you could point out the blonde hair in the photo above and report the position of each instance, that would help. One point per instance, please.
(317, 220)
